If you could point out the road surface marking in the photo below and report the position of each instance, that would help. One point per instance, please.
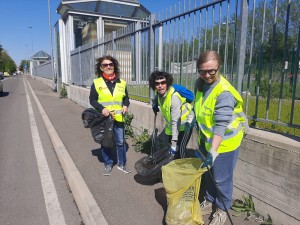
(55, 214)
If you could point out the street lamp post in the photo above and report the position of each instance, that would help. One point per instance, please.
(31, 39)
(51, 43)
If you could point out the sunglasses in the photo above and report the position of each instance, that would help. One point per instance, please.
(210, 72)
(104, 65)
(162, 83)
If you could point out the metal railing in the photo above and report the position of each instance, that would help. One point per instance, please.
(44, 70)
(259, 42)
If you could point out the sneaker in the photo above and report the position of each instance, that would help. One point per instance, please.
(124, 169)
(206, 207)
(107, 170)
(218, 218)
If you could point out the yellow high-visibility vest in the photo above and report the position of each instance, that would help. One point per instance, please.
(111, 102)
(204, 112)
(186, 108)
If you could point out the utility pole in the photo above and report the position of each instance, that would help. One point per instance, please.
(51, 43)
(31, 39)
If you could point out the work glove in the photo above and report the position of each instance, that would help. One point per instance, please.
(210, 159)
(155, 108)
(174, 153)
(172, 150)
(155, 105)
(189, 125)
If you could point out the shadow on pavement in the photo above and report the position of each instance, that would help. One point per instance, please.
(146, 180)
(161, 198)
(4, 94)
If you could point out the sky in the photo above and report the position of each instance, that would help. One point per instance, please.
(25, 24)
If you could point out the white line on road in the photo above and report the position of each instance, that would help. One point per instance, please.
(55, 214)
(84, 199)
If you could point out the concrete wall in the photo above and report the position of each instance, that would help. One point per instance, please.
(268, 167)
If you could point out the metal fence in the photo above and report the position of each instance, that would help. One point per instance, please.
(259, 42)
(44, 70)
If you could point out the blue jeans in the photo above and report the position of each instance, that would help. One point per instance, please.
(107, 155)
(222, 171)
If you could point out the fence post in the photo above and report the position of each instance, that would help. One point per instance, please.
(138, 44)
(160, 47)
(114, 44)
(151, 64)
(242, 45)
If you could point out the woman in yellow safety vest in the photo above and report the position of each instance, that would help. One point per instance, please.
(220, 120)
(109, 95)
(175, 109)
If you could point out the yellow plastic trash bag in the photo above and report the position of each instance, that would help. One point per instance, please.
(181, 179)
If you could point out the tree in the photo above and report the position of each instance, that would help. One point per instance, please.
(6, 63)
(24, 65)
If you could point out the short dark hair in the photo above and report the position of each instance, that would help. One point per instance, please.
(107, 57)
(156, 75)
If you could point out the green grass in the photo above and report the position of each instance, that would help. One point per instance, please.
(285, 114)
(141, 93)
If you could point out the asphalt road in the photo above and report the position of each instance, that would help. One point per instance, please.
(29, 192)
(124, 199)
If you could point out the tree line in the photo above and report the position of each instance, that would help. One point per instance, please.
(7, 64)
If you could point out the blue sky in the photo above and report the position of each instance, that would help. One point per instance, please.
(17, 16)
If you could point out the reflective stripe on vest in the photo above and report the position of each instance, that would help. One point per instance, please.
(111, 102)
(186, 108)
(205, 119)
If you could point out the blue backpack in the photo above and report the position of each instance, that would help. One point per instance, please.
(184, 92)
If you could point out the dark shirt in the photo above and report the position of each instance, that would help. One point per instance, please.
(111, 86)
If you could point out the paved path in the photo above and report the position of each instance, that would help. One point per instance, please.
(123, 199)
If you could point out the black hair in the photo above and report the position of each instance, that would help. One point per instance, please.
(157, 75)
(107, 57)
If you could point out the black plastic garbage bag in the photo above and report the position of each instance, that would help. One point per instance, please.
(151, 165)
(108, 138)
(101, 127)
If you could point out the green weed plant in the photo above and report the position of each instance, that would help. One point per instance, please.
(245, 206)
(142, 143)
(63, 92)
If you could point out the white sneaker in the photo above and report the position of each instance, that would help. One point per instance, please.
(218, 218)
(124, 169)
(107, 170)
(206, 207)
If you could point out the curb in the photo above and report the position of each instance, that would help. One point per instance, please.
(84, 199)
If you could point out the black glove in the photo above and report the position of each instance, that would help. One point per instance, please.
(189, 125)
(155, 105)
(155, 108)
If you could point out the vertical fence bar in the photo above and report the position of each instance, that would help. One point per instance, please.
(272, 58)
(234, 22)
(160, 47)
(219, 28)
(151, 51)
(285, 50)
(242, 44)
(250, 56)
(297, 65)
(226, 42)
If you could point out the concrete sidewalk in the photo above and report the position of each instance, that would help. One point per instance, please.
(125, 199)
